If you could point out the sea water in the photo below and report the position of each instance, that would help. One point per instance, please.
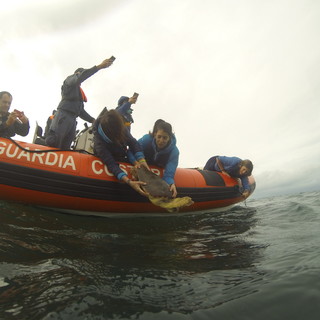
(255, 261)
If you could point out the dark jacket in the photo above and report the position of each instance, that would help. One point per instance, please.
(72, 100)
(22, 129)
(110, 153)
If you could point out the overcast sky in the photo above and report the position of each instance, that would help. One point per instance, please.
(233, 77)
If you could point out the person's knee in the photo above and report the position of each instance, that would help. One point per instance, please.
(40, 141)
(51, 140)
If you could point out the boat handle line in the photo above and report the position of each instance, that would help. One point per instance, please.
(48, 150)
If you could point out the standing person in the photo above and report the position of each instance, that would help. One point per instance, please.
(233, 167)
(112, 141)
(159, 148)
(11, 123)
(124, 108)
(63, 127)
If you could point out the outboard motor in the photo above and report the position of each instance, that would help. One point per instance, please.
(38, 137)
(84, 140)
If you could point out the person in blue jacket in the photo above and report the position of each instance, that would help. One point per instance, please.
(62, 130)
(112, 142)
(160, 149)
(125, 109)
(233, 167)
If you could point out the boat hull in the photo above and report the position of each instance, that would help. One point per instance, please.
(79, 182)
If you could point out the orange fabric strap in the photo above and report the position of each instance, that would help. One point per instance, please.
(83, 95)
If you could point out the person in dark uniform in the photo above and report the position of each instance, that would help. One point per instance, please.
(63, 127)
(11, 123)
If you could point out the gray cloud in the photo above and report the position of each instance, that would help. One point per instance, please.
(36, 18)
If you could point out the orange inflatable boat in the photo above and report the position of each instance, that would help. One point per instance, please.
(78, 182)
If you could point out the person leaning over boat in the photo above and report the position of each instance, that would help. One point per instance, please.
(11, 123)
(63, 127)
(124, 108)
(233, 167)
(160, 149)
(111, 143)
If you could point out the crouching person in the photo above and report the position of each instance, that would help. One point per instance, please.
(112, 141)
(233, 167)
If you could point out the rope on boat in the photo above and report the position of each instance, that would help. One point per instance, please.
(47, 150)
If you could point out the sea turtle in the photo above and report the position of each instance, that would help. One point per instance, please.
(159, 191)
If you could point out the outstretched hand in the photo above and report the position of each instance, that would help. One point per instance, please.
(173, 189)
(137, 185)
(138, 164)
(133, 99)
(105, 64)
(245, 194)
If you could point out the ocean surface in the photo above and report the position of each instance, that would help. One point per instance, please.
(255, 261)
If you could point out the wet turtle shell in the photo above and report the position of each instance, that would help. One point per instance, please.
(155, 186)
